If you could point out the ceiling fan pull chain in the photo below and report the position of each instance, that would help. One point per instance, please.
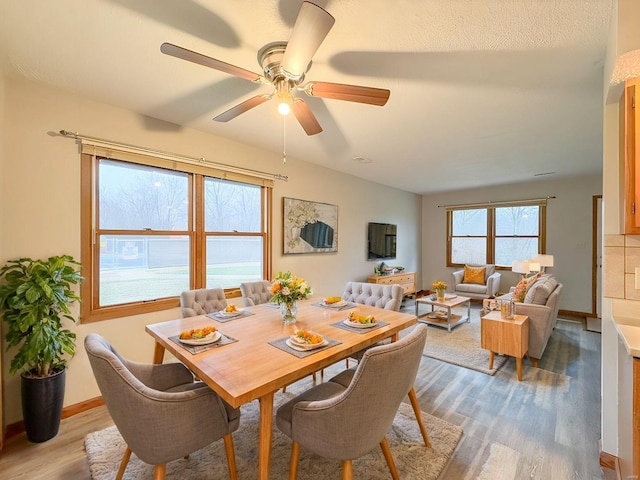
(284, 139)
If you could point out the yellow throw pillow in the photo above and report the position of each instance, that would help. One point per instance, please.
(474, 274)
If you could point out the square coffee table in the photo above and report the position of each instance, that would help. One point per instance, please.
(444, 318)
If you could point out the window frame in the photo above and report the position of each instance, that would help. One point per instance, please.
(491, 229)
(90, 309)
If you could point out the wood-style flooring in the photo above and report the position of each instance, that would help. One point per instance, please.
(549, 422)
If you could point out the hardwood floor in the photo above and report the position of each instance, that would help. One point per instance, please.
(549, 423)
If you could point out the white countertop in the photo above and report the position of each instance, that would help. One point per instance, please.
(629, 331)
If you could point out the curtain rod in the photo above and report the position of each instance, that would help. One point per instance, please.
(174, 156)
(490, 203)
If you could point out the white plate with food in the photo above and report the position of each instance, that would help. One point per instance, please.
(338, 304)
(305, 347)
(232, 313)
(206, 340)
(359, 324)
(304, 340)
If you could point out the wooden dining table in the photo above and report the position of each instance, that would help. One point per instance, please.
(251, 368)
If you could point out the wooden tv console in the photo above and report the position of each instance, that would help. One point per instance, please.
(407, 280)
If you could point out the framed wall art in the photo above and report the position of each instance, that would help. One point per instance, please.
(309, 227)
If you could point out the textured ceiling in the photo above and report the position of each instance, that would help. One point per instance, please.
(483, 92)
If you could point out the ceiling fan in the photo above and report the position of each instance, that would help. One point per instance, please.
(284, 66)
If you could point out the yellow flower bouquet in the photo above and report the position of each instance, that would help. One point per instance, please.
(439, 285)
(286, 289)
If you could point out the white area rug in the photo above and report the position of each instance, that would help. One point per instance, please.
(462, 346)
(413, 460)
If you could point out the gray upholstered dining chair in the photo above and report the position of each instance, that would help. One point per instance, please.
(202, 301)
(255, 293)
(329, 419)
(160, 411)
(388, 297)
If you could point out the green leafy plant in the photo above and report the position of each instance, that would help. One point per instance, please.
(34, 300)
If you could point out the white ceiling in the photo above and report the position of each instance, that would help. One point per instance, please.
(483, 92)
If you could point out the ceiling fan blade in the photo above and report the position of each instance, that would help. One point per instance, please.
(233, 112)
(350, 93)
(305, 116)
(311, 28)
(184, 54)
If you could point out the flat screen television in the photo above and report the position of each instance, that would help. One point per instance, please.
(382, 241)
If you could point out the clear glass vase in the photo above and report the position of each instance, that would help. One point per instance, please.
(289, 311)
(440, 294)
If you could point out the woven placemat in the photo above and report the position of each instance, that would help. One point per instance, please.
(282, 345)
(195, 349)
(224, 318)
(344, 326)
(343, 307)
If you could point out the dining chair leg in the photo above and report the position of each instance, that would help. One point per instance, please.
(159, 471)
(231, 457)
(347, 470)
(293, 463)
(386, 451)
(413, 398)
(123, 463)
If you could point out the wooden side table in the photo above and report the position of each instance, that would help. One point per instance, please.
(506, 336)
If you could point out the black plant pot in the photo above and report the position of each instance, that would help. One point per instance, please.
(42, 400)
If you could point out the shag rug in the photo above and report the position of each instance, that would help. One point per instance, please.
(462, 346)
(414, 461)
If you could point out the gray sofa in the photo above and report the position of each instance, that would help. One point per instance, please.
(540, 304)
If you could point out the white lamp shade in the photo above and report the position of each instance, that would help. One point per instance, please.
(520, 266)
(544, 260)
(534, 266)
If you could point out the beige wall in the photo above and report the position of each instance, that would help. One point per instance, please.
(569, 231)
(40, 207)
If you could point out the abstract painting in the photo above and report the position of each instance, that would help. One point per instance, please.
(309, 227)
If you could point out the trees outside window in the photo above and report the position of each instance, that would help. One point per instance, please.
(150, 233)
(494, 235)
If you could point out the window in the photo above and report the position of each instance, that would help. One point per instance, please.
(151, 232)
(495, 235)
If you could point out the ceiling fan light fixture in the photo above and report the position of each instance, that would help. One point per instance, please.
(284, 66)
(284, 108)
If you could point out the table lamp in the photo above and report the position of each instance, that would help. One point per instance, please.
(544, 260)
(521, 267)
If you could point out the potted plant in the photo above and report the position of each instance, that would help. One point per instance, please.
(34, 300)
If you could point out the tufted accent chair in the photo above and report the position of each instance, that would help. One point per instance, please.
(388, 297)
(255, 293)
(202, 301)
